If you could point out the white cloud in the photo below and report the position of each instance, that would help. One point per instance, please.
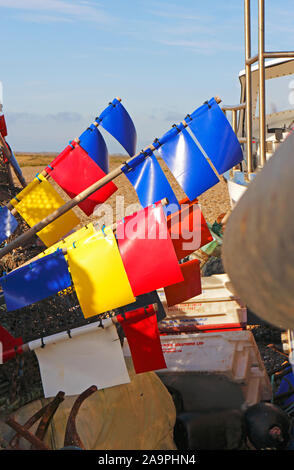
(72, 10)
(189, 26)
(203, 46)
(36, 18)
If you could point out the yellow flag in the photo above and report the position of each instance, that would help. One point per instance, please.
(98, 274)
(38, 200)
(69, 241)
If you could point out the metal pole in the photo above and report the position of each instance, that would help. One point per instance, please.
(234, 120)
(248, 85)
(262, 132)
(279, 55)
(235, 129)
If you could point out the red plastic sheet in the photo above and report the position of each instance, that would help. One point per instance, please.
(190, 287)
(74, 171)
(3, 128)
(141, 330)
(188, 228)
(10, 345)
(147, 251)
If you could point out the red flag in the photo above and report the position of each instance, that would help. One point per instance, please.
(73, 170)
(147, 251)
(188, 229)
(141, 330)
(190, 287)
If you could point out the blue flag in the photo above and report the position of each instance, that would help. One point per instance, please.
(36, 281)
(216, 136)
(150, 182)
(92, 142)
(186, 162)
(117, 121)
(8, 223)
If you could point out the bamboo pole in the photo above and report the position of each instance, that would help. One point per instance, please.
(23, 238)
(113, 227)
(7, 154)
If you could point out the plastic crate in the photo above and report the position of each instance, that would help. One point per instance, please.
(230, 354)
(217, 308)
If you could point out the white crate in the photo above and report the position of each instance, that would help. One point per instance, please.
(206, 314)
(216, 305)
(233, 354)
(214, 288)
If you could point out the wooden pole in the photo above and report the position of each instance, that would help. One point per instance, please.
(23, 238)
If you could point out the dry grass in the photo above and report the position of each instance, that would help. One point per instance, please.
(40, 159)
(34, 159)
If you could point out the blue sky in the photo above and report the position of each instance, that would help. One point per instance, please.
(63, 61)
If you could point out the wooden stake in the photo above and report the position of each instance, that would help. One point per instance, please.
(23, 238)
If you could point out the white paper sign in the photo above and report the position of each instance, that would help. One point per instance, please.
(73, 365)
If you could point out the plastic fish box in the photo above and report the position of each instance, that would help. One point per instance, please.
(229, 355)
(203, 324)
(217, 287)
(216, 308)
(207, 313)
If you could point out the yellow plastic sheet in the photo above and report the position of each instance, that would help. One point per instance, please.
(98, 274)
(69, 241)
(37, 201)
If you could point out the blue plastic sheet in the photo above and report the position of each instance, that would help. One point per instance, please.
(216, 136)
(92, 142)
(8, 223)
(117, 121)
(35, 281)
(150, 182)
(187, 163)
(285, 386)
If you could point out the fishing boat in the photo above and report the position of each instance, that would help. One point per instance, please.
(265, 115)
